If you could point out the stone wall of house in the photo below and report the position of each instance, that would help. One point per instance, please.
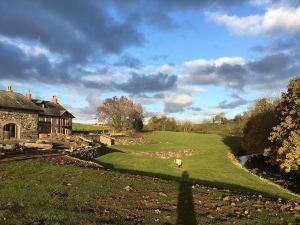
(27, 122)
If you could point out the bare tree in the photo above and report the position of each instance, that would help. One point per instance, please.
(122, 113)
(186, 126)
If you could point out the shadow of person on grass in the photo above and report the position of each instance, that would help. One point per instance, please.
(185, 202)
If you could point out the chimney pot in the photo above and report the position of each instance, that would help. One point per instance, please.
(54, 100)
(28, 95)
(8, 88)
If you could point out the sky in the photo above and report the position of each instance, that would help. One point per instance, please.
(187, 59)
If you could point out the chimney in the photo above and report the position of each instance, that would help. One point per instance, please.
(28, 95)
(54, 100)
(8, 88)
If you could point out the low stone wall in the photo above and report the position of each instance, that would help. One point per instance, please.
(26, 122)
(87, 154)
(107, 140)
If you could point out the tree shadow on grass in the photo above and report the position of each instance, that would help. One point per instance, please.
(106, 150)
(185, 202)
(234, 144)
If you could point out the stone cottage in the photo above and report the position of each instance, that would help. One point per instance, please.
(22, 117)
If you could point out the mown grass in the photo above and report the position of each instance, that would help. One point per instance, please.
(89, 127)
(209, 163)
(228, 128)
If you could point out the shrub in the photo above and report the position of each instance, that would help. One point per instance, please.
(259, 126)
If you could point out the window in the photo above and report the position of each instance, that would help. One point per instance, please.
(10, 131)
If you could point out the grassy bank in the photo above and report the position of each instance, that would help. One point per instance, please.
(208, 164)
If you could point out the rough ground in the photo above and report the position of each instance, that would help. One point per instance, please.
(43, 192)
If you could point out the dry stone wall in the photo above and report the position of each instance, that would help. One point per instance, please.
(27, 123)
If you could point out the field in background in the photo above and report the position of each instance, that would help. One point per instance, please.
(90, 127)
(208, 164)
(228, 128)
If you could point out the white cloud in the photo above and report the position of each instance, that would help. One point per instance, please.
(191, 89)
(211, 112)
(225, 71)
(275, 20)
(28, 48)
(217, 62)
(182, 100)
(177, 104)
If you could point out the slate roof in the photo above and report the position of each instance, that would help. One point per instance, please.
(15, 100)
(51, 109)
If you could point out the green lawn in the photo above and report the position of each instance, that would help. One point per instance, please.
(40, 192)
(209, 163)
(89, 127)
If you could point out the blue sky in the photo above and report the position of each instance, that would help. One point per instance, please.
(186, 59)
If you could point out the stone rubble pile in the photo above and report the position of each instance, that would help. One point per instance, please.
(68, 160)
(133, 141)
(76, 146)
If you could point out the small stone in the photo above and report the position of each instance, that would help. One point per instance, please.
(246, 212)
(259, 210)
(68, 184)
(226, 198)
(285, 207)
(128, 188)
(297, 208)
(233, 204)
(157, 211)
(163, 194)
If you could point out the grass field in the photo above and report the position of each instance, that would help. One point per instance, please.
(39, 192)
(209, 163)
(48, 192)
(89, 127)
(229, 128)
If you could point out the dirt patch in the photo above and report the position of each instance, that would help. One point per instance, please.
(68, 160)
(207, 203)
(167, 155)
